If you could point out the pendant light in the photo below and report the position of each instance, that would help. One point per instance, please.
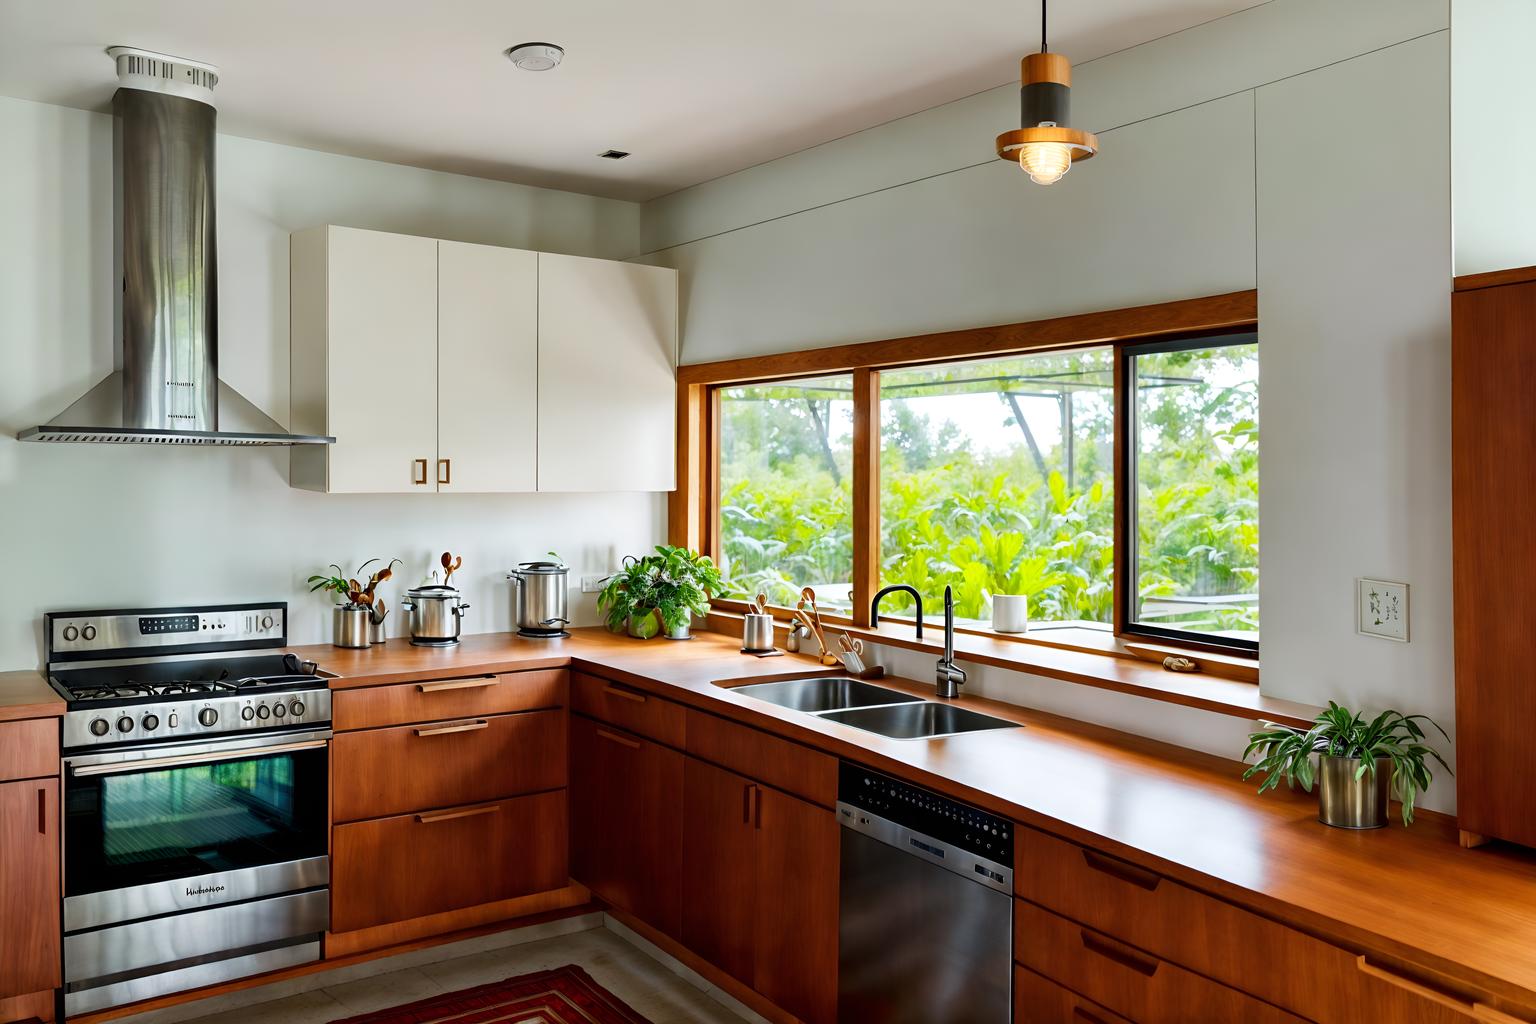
(1045, 148)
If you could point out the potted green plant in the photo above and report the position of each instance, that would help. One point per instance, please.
(358, 620)
(1356, 761)
(660, 593)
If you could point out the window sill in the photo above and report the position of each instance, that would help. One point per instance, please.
(1117, 669)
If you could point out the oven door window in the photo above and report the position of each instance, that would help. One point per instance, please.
(134, 827)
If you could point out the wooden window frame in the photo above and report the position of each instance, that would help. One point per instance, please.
(692, 514)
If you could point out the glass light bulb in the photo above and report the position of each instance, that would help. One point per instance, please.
(1045, 162)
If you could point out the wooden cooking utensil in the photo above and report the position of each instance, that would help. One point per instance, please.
(450, 566)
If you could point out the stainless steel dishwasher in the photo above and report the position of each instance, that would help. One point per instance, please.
(926, 926)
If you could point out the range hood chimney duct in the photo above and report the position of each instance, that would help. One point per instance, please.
(165, 258)
(166, 249)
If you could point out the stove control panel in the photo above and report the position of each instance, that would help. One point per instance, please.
(188, 719)
(79, 635)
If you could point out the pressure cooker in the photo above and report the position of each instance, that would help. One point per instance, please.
(541, 589)
(434, 614)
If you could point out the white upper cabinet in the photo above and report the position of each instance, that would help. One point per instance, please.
(607, 375)
(446, 366)
(364, 359)
(487, 368)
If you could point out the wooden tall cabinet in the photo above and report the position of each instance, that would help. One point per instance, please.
(1493, 490)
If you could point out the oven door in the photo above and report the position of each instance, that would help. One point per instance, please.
(178, 827)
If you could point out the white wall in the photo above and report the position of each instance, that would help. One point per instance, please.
(1300, 147)
(1493, 94)
(129, 525)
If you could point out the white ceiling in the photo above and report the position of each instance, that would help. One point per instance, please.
(693, 88)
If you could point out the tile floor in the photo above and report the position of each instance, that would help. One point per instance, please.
(656, 985)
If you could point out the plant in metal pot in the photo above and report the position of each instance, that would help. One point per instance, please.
(660, 591)
(1354, 755)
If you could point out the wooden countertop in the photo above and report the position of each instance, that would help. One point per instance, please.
(1411, 896)
(26, 694)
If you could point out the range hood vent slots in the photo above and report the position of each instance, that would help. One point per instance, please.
(166, 388)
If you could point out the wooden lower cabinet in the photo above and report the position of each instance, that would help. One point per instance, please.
(1039, 1000)
(379, 772)
(627, 821)
(414, 865)
(1127, 980)
(761, 869)
(29, 885)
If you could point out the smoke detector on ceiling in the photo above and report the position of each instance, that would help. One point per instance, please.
(536, 56)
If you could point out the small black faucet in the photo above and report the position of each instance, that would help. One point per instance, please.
(874, 606)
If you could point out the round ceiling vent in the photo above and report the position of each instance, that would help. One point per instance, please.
(536, 56)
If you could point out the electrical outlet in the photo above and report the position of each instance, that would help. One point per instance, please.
(1382, 609)
(592, 584)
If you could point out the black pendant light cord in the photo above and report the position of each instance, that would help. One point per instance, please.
(1043, 4)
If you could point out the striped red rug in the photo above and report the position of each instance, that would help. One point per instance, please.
(565, 995)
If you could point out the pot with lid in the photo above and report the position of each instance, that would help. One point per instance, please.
(434, 614)
(541, 595)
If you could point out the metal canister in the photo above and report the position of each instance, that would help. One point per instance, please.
(756, 632)
(1344, 801)
(352, 625)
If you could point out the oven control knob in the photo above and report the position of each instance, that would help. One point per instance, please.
(124, 724)
(247, 713)
(151, 722)
(278, 710)
(207, 716)
(266, 622)
(89, 632)
(263, 712)
(100, 727)
(71, 633)
(297, 707)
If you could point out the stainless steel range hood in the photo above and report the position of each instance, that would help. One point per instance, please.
(166, 388)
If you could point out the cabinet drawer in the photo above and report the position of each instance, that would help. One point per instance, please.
(627, 707)
(1306, 975)
(1038, 1000)
(413, 865)
(443, 764)
(29, 749)
(434, 700)
(780, 763)
(1127, 980)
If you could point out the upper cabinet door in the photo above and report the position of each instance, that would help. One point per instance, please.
(382, 361)
(487, 368)
(607, 375)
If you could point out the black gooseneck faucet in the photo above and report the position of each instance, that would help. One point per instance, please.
(874, 606)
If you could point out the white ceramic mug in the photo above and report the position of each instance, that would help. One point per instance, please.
(1010, 613)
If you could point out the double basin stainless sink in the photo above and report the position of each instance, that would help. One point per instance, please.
(876, 709)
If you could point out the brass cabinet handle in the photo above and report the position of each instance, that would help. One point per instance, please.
(421, 471)
(1471, 1007)
(445, 471)
(456, 684)
(615, 737)
(1119, 869)
(468, 812)
(444, 730)
(1124, 957)
(638, 698)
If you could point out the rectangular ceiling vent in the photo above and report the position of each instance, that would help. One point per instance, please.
(613, 154)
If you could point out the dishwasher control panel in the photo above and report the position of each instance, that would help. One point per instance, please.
(925, 811)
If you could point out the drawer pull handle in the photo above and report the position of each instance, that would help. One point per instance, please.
(42, 812)
(638, 698)
(1124, 957)
(444, 730)
(620, 740)
(1478, 1011)
(468, 812)
(1119, 869)
(457, 684)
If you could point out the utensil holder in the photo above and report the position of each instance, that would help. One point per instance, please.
(377, 633)
(853, 663)
(756, 632)
(352, 626)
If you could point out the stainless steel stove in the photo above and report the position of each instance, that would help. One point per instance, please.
(196, 756)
